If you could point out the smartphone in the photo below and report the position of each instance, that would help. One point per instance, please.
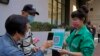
(50, 36)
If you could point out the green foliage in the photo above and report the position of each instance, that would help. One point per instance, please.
(39, 26)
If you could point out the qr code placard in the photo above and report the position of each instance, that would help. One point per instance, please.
(56, 39)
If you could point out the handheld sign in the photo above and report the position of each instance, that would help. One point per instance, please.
(58, 38)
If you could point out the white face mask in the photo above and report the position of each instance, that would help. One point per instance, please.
(31, 18)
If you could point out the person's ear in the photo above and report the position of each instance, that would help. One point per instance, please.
(17, 36)
(24, 13)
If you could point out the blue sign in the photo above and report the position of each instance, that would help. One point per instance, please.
(58, 38)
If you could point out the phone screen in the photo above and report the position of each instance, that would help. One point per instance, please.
(50, 36)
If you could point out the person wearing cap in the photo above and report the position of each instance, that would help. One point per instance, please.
(27, 44)
(29, 12)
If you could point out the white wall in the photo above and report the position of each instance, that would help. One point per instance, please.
(15, 7)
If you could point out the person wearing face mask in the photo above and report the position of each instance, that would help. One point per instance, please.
(16, 28)
(27, 44)
(29, 12)
(80, 42)
(84, 7)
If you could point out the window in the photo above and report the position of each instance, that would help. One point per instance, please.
(56, 11)
(4, 1)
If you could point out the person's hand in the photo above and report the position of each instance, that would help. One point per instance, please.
(35, 49)
(63, 52)
(36, 40)
(47, 44)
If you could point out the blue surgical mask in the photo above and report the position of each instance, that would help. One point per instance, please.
(31, 18)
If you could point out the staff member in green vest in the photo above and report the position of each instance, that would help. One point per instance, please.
(80, 42)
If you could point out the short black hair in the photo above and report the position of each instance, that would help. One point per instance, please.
(16, 23)
(81, 13)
